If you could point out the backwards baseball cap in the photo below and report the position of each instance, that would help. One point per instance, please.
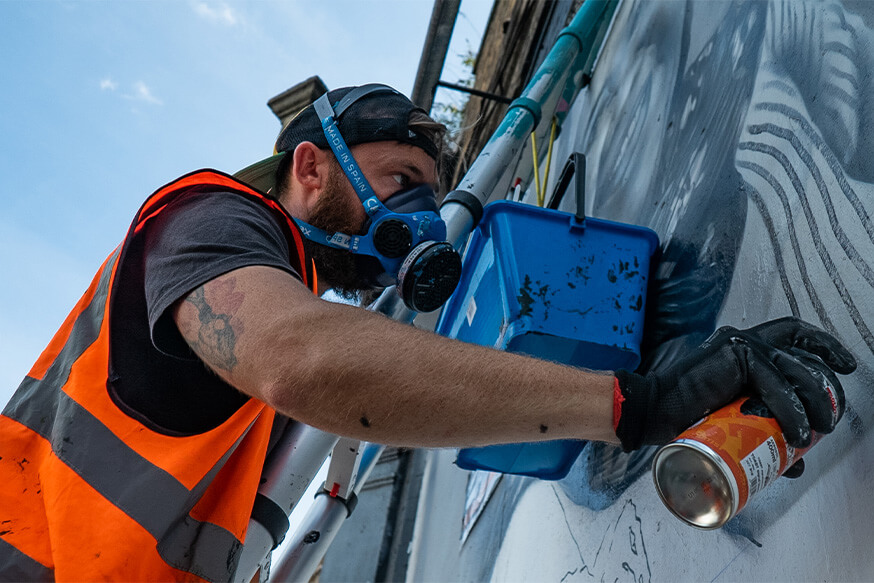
(368, 113)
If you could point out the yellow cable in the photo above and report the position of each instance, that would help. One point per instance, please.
(536, 166)
(541, 200)
(539, 190)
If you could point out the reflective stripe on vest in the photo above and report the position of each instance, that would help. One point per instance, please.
(16, 566)
(88, 492)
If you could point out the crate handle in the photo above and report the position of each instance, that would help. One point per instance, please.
(575, 165)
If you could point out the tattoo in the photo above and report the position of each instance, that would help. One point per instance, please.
(216, 339)
(544, 429)
(365, 422)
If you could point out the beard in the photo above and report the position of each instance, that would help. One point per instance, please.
(334, 212)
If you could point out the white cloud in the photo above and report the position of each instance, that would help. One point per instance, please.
(144, 94)
(139, 91)
(219, 12)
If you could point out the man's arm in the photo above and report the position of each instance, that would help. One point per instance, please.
(359, 374)
(355, 373)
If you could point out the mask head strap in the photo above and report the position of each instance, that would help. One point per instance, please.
(328, 118)
(359, 93)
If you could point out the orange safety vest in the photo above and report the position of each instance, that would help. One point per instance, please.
(88, 493)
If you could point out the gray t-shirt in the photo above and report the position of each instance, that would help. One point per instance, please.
(154, 376)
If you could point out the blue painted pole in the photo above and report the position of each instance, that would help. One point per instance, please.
(560, 75)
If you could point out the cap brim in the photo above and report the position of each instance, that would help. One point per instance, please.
(261, 175)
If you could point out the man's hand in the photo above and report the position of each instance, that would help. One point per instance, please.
(765, 360)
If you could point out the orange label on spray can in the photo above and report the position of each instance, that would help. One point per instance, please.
(713, 468)
(753, 447)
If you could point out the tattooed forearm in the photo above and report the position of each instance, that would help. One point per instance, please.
(216, 339)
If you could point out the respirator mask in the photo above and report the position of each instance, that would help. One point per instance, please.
(404, 241)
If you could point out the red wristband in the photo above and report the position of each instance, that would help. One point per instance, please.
(618, 399)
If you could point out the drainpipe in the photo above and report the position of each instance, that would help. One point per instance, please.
(443, 18)
(558, 79)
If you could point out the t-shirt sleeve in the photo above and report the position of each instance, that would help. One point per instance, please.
(196, 239)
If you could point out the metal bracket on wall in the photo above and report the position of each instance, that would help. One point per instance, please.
(477, 92)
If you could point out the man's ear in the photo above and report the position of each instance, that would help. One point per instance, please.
(310, 168)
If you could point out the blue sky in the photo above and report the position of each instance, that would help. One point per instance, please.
(103, 102)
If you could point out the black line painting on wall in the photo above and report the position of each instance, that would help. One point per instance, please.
(741, 132)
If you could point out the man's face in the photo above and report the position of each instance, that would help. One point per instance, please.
(389, 167)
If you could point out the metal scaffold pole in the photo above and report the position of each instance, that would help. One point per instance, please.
(301, 557)
(295, 461)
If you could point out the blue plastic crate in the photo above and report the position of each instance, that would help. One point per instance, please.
(541, 282)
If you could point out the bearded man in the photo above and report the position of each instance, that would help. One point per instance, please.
(134, 447)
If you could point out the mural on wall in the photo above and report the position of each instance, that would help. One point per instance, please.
(763, 116)
(741, 132)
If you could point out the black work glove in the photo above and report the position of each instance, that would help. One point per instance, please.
(766, 361)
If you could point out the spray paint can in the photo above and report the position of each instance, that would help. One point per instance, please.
(710, 472)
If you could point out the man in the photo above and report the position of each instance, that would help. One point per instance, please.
(133, 449)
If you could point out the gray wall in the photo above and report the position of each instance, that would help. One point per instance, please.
(741, 133)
